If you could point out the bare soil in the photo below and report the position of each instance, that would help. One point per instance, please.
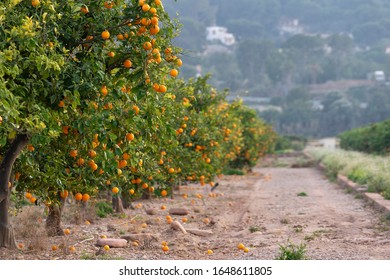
(269, 207)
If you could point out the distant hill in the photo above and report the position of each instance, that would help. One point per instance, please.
(367, 20)
(303, 64)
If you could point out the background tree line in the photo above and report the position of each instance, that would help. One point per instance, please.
(341, 40)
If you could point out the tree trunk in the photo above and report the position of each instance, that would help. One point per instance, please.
(7, 238)
(117, 204)
(53, 221)
(80, 212)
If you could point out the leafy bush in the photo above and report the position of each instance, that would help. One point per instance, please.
(291, 251)
(333, 165)
(359, 175)
(290, 142)
(371, 139)
(103, 209)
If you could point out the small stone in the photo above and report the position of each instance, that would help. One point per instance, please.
(151, 211)
(179, 211)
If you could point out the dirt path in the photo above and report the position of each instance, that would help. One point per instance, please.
(262, 210)
(332, 223)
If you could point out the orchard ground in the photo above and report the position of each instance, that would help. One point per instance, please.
(269, 207)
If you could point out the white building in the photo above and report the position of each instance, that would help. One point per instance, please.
(221, 34)
(290, 27)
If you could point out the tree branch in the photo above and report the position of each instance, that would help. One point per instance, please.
(8, 161)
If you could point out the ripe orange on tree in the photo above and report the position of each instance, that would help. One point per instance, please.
(65, 129)
(108, 4)
(115, 190)
(154, 20)
(64, 194)
(156, 87)
(138, 181)
(153, 11)
(73, 153)
(92, 153)
(162, 88)
(122, 163)
(174, 73)
(154, 29)
(85, 197)
(30, 147)
(164, 193)
(104, 90)
(129, 136)
(145, 7)
(147, 46)
(127, 63)
(35, 3)
(145, 21)
(94, 166)
(78, 196)
(105, 35)
(135, 109)
(80, 161)
(84, 10)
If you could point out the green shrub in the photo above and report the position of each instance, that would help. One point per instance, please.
(103, 209)
(334, 165)
(231, 171)
(291, 251)
(359, 175)
(290, 143)
(370, 139)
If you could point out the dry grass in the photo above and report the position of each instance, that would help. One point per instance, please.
(29, 225)
(361, 168)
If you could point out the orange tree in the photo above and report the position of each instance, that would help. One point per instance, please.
(257, 137)
(211, 134)
(77, 83)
